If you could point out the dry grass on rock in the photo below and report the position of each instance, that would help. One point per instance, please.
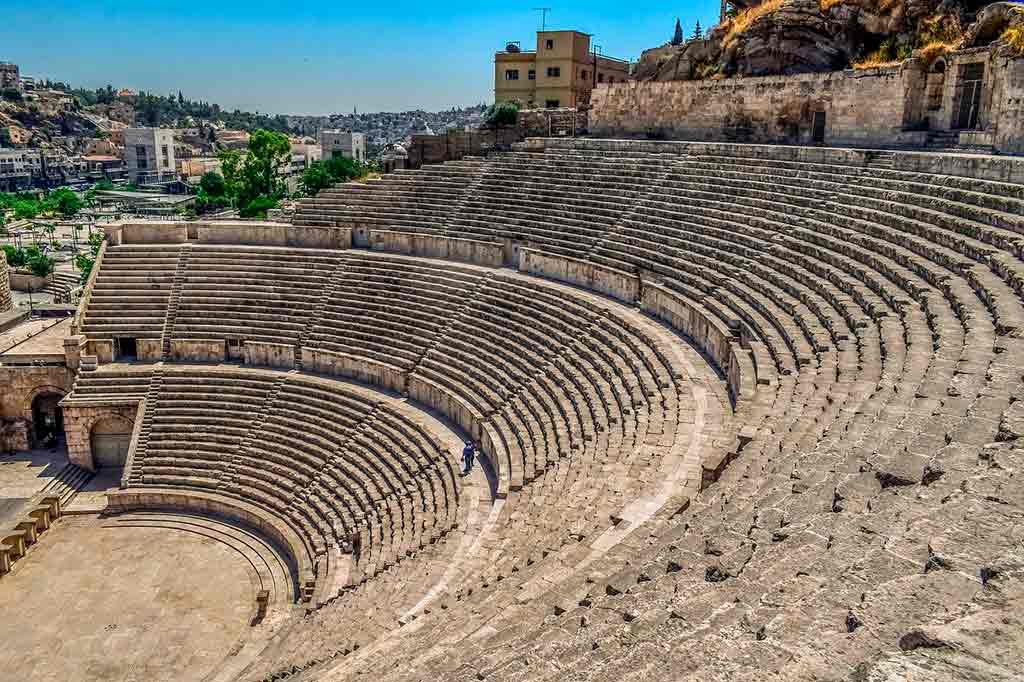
(739, 24)
(1014, 37)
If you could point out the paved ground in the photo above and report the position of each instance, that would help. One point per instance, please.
(92, 497)
(24, 474)
(93, 602)
(35, 337)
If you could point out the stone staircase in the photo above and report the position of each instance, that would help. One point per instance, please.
(468, 193)
(60, 285)
(329, 292)
(152, 398)
(639, 206)
(253, 435)
(67, 483)
(174, 301)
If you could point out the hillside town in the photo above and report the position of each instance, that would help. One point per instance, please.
(52, 135)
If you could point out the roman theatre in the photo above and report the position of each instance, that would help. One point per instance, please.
(742, 412)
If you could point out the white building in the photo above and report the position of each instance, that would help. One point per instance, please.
(18, 168)
(149, 154)
(343, 143)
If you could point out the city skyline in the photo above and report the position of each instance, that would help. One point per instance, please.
(258, 57)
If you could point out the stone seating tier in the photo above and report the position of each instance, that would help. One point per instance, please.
(341, 468)
(864, 322)
(881, 308)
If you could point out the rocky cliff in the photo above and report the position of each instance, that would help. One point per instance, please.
(780, 37)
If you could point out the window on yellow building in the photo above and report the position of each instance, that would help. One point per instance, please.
(554, 72)
(512, 74)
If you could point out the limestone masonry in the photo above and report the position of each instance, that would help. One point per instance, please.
(5, 287)
(741, 412)
(973, 98)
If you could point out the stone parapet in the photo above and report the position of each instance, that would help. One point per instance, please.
(6, 302)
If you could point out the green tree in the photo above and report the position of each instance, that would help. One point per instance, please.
(206, 203)
(698, 32)
(26, 209)
(257, 207)
(66, 202)
(677, 37)
(343, 169)
(252, 181)
(85, 261)
(41, 265)
(15, 257)
(268, 154)
(502, 114)
(316, 178)
(322, 174)
(213, 184)
(231, 166)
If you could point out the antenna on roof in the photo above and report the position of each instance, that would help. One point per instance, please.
(543, 16)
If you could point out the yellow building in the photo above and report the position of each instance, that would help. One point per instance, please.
(562, 71)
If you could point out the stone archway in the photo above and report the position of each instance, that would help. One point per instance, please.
(46, 415)
(80, 422)
(47, 418)
(935, 88)
(109, 440)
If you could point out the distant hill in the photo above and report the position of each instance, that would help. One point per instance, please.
(177, 110)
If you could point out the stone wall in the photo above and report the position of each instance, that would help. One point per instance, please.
(614, 283)
(553, 122)
(6, 303)
(78, 423)
(488, 254)
(457, 144)
(363, 370)
(15, 435)
(20, 385)
(1007, 112)
(22, 280)
(252, 233)
(266, 354)
(888, 107)
(197, 350)
(860, 107)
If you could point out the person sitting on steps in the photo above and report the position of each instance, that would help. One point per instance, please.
(467, 457)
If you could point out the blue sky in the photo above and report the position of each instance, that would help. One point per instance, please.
(310, 57)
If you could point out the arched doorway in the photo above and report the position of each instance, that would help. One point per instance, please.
(935, 87)
(47, 419)
(109, 441)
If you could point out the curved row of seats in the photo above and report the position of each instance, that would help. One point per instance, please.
(578, 403)
(427, 199)
(131, 292)
(342, 467)
(261, 294)
(882, 309)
